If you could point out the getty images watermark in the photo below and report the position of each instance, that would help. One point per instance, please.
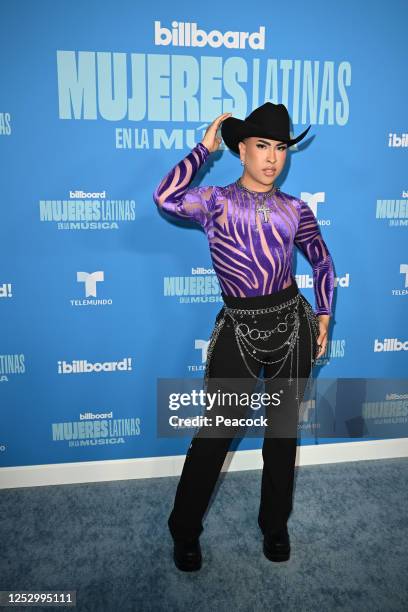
(309, 408)
(218, 399)
(227, 408)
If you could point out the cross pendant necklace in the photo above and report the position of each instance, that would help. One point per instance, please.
(259, 208)
(263, 209)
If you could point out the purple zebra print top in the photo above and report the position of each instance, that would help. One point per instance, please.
(250, 256)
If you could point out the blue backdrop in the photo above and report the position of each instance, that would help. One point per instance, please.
(98, 292)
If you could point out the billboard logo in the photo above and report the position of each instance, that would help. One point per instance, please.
(394, 140)
(5, 290)
(186, 34)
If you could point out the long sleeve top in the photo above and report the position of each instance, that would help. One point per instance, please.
(252, 252)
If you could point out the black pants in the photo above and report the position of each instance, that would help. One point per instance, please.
(206, 455)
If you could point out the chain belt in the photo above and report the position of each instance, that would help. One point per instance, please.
(245, 334)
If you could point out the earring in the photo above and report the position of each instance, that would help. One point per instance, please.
(242, 162)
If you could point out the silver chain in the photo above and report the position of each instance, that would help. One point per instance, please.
(261, 197)
(244, 343)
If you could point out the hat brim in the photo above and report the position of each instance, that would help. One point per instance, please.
(234, 130)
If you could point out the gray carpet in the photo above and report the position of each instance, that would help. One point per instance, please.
(110, 542)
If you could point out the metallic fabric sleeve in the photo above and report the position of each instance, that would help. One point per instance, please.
(172, 194)
(309, 240)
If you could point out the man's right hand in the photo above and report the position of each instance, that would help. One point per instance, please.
(211, 140)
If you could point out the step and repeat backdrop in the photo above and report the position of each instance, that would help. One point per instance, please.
(102, 297)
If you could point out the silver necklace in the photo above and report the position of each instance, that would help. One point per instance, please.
(260, 196)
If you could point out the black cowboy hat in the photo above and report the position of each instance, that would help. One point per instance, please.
(269, 120)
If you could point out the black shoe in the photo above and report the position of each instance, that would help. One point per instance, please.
(276, 546)
(187, 554)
